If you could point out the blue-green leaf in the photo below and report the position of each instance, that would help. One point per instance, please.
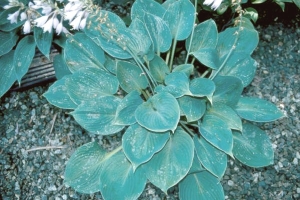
(98, 116)
(188, 69)
(140, 145)
(126, 108)
(196, 166)
(202, 185)
(140, 7)
(217, 133)
(23, 56)
(158, 68)
(107, 30)
(257, 110)
(159, 113)
(177, 84)
(60, 66)
(131, 77)
(43, 40)
(118, 180)
(208, 57)
(7, 75)
(7, 42)
(227, 114)
(239, 65)
(180, 17)
(228, 90)
(91, 83)
(83, 169)
(202, 87)
(246, 43)
(172, 163)
(253, 147)
(57, 95)
(205, 37)
(214, 160)
(82, 52)
(192, 107)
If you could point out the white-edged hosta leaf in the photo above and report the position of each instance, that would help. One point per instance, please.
(202, 185)
(188, 69)
(126, 108)
(212, 159)
(131, 77)
(205, 36)
(192, 107)
(227, 114)
(253, 147)
(7, 72)
(98, 116)
(23, 56)
(202, 87)
(7, 41)
(196, 166)
(43, 40)
(177, 84)
(172, 163)
(159, 113)
(257, 110)
(180, 17)
(83, 169)
(140, 144)
(228, 90)
(158, 68)
(216, 132)
(82, 52)
(118, 181)
(91, 83)
(140, 7)
(57, 95)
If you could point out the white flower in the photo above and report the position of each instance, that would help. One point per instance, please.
(82, 23)
(23, 16)
(76, 22)
(215, 3)
(27, 27)
(70, 15)
(13, 18)
(55, 22)
(47, 27)
(59, 28)
(41, 21)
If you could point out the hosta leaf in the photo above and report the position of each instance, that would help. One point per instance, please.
(217, 133)
(107, 29)
(82, 52)
(57, 95)
(196, 166)
(140, 7)
(214, 160)
(23, 56)
(131, 77)
(253, 147)
(97, 116)
(43, 40)
(192, 107)
(7, 75)
(177, 84)
(126, 108)
(205, 36)
(246, 43)
(140, 145)
(202, 185)
(228, 90)
(257, 110)
(91, 83)
(159, 113)
(158, 31)
(208, 57)
(158, 68)
(227, 114)
(188, 69)
(7, 42)
(239, 65)
(202, 87)
(60, 66)
(118, 180)
(172, 163)
(180, 18)
(83, 169)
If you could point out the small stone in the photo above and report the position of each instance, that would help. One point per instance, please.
(298, 155)
(64, 197)
(295, 161)
(52, 188)
(230, 183)
(298, 190)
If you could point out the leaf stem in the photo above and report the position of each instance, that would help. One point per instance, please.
(182, 123)
(192, 34)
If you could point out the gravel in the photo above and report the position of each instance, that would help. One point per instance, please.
(36, 138)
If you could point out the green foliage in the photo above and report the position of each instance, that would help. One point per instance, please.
(179, 123)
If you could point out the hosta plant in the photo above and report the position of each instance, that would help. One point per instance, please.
(180, 120)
